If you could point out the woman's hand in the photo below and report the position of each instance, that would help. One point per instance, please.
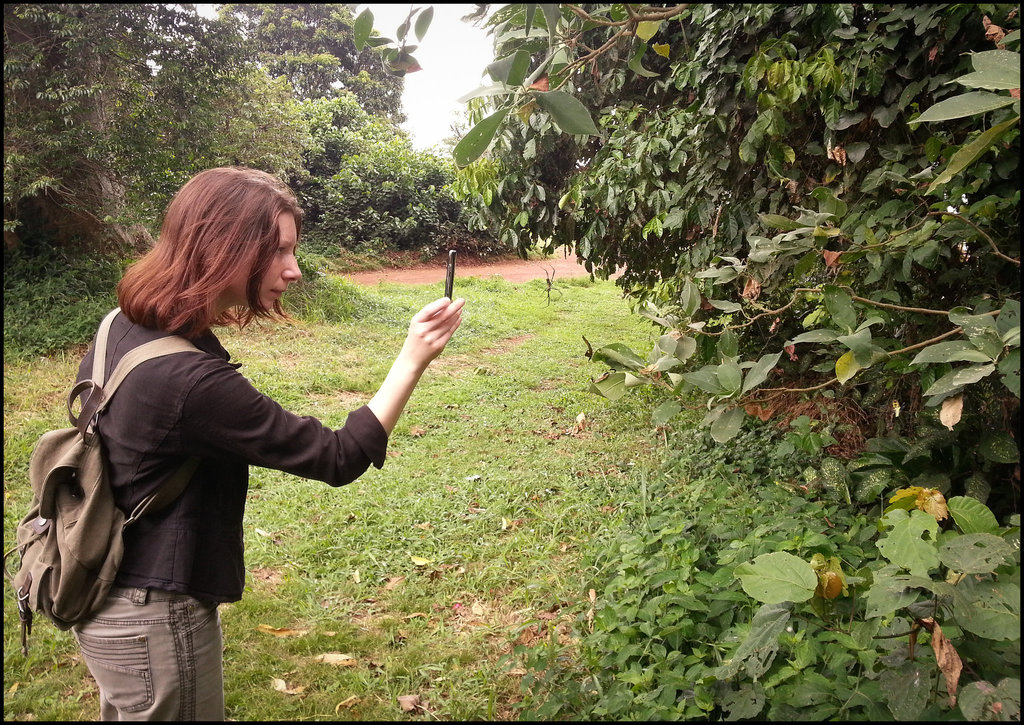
(429, 332)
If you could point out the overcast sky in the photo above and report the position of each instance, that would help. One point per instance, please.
(453, 55)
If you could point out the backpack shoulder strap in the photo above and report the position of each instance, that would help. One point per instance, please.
(100, 392)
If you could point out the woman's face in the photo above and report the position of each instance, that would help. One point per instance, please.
(282, 272)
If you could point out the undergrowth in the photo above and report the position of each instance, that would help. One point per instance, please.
(732, 594)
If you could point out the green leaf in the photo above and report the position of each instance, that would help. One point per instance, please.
(476, 141)
(618, 356)
(910, 543)
(664, 412)
(646, 29)
(569, 114)
(636, 65)
(759, 373)
(969, 153)
(888, 593)
(951, 382)
(706, 379)
(612, 387)
(780, 222)
(423, 22)
(975, 553)
(551, 16)
(839, 304)
(981, 330)
(510, 70)
(999, 448)
(966, 104)
(996, 70)
(728, 424)
(982, 701)
(362, 28)
(757, 651)
(945, 352)
(730, 376)
(971, 516)
(777, 577)
(1009, 369)
(906, 690)
(846, 367)
(822, 335)
(989, 609)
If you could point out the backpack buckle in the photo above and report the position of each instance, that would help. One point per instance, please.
(25, 615)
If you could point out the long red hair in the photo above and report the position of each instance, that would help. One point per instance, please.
(222, 220)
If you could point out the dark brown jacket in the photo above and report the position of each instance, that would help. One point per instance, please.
(198, 404)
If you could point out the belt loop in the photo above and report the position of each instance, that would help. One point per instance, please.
(139, 595)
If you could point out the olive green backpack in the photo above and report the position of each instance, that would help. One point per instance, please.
(70, 541)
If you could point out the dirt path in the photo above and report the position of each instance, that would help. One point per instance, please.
(514, 270)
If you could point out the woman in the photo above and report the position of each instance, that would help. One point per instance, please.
(225, 255)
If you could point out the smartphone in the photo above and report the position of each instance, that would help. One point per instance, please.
(449, 282)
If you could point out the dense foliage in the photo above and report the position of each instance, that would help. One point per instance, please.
(731, 597)
(781, 206)
(109, 109)
(819, 204)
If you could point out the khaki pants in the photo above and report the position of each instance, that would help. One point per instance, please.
(155, 655)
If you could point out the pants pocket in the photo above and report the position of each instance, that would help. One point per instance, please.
(121, 668)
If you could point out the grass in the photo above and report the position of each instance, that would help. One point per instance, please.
(426, 573)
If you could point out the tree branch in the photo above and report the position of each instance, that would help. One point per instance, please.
(991, 243)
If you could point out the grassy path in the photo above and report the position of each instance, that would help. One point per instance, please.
(412, 584)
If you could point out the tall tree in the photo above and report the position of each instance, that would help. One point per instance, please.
(312, 46)
(110, 107)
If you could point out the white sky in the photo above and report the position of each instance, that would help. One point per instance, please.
(453, 55)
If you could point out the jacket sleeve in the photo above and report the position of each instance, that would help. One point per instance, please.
(224, 415)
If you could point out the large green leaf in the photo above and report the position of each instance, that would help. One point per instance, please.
(945, 352)
(996, 70)
(971, 516)
(362, 28)
(619, 357)
(569, 114)
(727, 425)
(966, 104)
(474, 143)
(975, 553)
(611, 387)
(706, 379)
(951, 382)
(758, 649)
(970, 153)
(423, 22)
(989, 609)
(777, 577)
(839, 304)
(910, 543)
(759, 373)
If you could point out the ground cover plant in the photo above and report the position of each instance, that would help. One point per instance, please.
(418, 579)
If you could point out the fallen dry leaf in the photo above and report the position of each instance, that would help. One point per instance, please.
(281, 631)
(420, 561)
(346, 703)
(424, 526)
(415, 615)
(410, 703)
(282, 686)
(337, 659)
(477, 609)
(394, 582)
(415, 431)
(355, 576)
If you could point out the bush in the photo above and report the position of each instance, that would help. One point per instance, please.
(55, 298)
(733, 595)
